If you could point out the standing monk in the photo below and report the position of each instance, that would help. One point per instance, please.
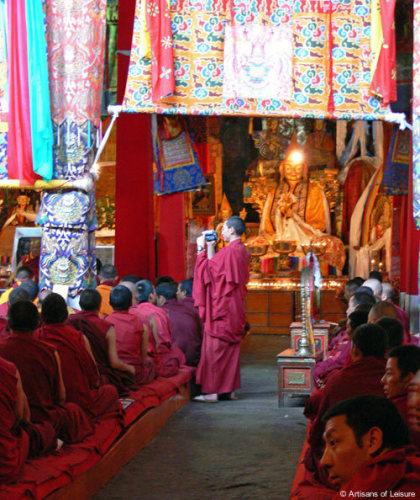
(219, 293)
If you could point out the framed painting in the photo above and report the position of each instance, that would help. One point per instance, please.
(203, 202)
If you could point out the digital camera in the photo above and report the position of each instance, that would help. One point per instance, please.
(210, 235)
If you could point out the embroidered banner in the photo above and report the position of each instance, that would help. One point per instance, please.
(258, 62)
(178, 166)
(330, 60)
(397, 165)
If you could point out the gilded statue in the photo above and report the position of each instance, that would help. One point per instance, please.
(296, 208)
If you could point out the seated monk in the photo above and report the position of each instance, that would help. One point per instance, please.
(402, 364)
(19, 440)
(40, 370)
(131, 341)
(102, 340)
(381, 309)
(23, 273)
(186, 327)
(362, 376)
(80, 374)
(388, 296)
(108, 278)
(367, 449)
(394, 331)
(413, 402)
(336, 358)
(15, 295)
(167, 357)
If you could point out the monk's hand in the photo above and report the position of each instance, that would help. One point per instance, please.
(200, 244)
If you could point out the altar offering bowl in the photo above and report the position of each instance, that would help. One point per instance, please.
(284, 246)
(257, 250)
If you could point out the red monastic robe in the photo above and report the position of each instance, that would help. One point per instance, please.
(129, 334)
(361, 377)
(400, 402)
(14, 442)
(80, 374)
(38, 369)
(95, 330)
(166, 357)
(18, 441)
(219, 293)
(186, 327)
(396, 471)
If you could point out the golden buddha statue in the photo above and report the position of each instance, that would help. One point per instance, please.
(295, 209)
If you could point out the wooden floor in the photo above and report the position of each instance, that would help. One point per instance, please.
(128, 445)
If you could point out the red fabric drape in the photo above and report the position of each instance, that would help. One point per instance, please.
(19, 144)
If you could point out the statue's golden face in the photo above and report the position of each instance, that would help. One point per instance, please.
(293, 171)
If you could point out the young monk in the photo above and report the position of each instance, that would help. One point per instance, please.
(80, 374)
(39, 366)
(367, 450)
(401, 366)
(108, 278)
(186, 327)
(102, 339)
(19, 440)
(132, 342)
(167, 358)
(362, 376)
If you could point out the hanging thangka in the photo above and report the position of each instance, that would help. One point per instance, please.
(76, 44)
(229, 58)
(178, 168)
(397, 165)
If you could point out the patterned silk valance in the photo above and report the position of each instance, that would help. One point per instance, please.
(279, 58)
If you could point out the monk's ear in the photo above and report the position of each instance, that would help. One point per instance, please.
(374, 440)
(355, 352)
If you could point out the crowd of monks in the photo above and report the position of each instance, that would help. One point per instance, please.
(62, 369)
(364, 413)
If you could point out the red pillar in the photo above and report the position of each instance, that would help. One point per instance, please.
(134, 226)
(171, 239)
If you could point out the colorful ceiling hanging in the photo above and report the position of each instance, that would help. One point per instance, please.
(260, 57)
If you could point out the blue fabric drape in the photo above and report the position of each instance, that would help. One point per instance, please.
(41, 125)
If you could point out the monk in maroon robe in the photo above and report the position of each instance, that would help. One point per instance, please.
(186, 327)
(166, 357)
(39, 366)
(401, 366)
(219, 293)
(80, 374)
(132, 342)
(101, 337)
(19, 439)
(363, 376)
(375, 458)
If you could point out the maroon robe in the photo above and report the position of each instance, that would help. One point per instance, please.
(400, 402)
(361, 377)
(38, 369)
(129, 335)
(219, 292)
(22, 441)
(166, 357)
(396, 471)
(95, 330)
(80, 374)
(14, 442)
(186, 328)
